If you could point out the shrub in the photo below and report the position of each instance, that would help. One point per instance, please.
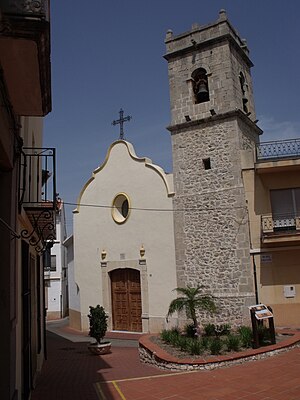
(226, 329)
(189, 330)
(209, 329)
(98, 323)
(246, 335)
(233, 343)
(165, 335)
(181, 342)
(170, 335)
(222, 329)
(216, 346)
(205, 342)
(195, 347)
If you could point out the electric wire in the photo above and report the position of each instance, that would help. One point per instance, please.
(196, 209)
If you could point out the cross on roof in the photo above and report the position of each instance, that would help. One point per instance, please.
(121, 121)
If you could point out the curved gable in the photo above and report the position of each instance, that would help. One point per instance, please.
(131, 152)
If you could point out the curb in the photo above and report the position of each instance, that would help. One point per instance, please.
(151, 353)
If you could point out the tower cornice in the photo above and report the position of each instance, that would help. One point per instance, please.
(238, 114)
(204, 36)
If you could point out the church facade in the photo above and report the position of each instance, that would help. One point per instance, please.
(124, 252)
(228, 218)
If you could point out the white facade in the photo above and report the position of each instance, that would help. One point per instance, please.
(73, 289)
(56, 278)
(143, 241)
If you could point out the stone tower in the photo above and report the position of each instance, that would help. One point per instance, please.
(212, 126)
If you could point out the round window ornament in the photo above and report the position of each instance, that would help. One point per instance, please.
(120, 208)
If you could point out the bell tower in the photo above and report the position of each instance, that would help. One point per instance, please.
(212, 124)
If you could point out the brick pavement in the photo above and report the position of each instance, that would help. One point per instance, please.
(275, 378)
(71, 372)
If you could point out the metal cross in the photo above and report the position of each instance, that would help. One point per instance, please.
(121, 121)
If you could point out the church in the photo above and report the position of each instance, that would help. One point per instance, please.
(228, 217)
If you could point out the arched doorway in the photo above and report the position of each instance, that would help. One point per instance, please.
(126, 300)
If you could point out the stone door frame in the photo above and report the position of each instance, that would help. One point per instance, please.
(110, 266)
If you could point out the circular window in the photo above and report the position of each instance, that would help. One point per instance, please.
(120, 209)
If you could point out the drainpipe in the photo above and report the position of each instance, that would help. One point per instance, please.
(255, 279)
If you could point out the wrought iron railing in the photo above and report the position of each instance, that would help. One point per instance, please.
(39, 9)
(278, 149)
(284, 223)
(37, 177)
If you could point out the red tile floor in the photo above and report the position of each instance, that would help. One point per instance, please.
(71, 372)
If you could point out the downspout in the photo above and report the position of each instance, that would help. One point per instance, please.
(255, 277)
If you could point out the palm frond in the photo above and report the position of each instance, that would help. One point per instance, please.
(192, 299)
(176, 305)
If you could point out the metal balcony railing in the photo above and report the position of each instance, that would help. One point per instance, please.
(37, 185)
(37, 195)
(33, 9)
(278, 150)
(280, 223)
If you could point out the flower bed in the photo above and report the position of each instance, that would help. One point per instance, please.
(154, 352)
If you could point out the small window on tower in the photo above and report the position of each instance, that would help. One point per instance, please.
(200, 85)
(206, 163)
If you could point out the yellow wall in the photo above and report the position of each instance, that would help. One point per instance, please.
(278, 263)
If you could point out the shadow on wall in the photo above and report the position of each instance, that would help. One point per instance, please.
(280, 268)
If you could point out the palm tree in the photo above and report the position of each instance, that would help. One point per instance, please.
(191, 301)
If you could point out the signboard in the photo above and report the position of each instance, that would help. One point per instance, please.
(261, 311)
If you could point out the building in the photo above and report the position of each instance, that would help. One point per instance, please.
(27, 179)
(55, 273)
(234, 226)
(212, 124)
(272, 184)
(72, 287)
(124, 252)
(239, 233)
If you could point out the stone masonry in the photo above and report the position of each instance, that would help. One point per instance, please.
(210, 210)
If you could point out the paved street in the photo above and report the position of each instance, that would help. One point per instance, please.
(71, 372)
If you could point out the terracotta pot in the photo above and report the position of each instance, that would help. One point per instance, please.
(100, 349)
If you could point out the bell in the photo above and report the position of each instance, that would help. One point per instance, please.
(202, 94)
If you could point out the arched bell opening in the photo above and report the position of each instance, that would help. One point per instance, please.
(200, 85)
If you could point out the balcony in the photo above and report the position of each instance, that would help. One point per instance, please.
(278, 150)
(37, 194)
(280, 228)
(25, 55)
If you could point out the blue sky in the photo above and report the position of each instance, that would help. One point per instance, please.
(109, 54)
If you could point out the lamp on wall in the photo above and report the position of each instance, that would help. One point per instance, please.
(142, 251)
(103, 255)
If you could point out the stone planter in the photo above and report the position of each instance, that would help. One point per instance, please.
(100, 348)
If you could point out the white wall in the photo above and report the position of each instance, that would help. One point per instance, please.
(95, 230)
(57, 291)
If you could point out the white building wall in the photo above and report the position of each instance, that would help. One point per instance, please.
(56, 293)
(74, 293)
(147, 187)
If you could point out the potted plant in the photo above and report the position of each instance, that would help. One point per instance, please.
(98, 327)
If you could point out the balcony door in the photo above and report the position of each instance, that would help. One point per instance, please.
(126, 300)
(285, 208)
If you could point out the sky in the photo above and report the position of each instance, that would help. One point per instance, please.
(108, 55)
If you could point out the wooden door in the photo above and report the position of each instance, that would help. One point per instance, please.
(126, 300)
